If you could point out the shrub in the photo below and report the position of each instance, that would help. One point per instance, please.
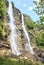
(2, 8)
(40, 39)
(10, 61)
(30, 25)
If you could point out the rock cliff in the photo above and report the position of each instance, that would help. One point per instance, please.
(5, 48)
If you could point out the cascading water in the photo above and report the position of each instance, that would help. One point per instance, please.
(13, 34)
(28, 46)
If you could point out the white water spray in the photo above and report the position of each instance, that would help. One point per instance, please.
(28, 46)
(13, 34)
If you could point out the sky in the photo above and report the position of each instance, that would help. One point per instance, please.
(26, 7)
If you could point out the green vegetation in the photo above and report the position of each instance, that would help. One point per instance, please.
(40, 39)
(2, 14)
(34, 29)
(13, 61)
(29, 22)
(37, 28)
(2, 8)
(39, 9)
(30, 25)
(39, 35)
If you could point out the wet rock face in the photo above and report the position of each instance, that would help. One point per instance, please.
(17, 16)
(39, 54)
(7, 3)
(18, 22)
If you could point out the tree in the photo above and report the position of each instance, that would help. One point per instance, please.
(39, 9)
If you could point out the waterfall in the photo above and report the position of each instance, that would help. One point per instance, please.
(28, 46)
(13, 35)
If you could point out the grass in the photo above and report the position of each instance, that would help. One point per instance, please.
(13, 61)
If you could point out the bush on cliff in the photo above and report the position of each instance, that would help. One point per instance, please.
(40, 39)
(2, 8)
(30, 25)
(2, 14)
